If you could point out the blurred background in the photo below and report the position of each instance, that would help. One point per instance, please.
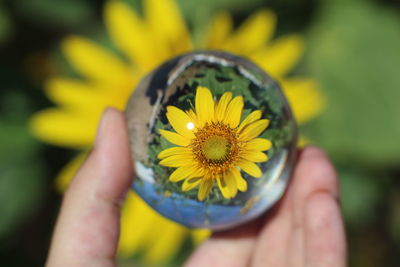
(351, 51)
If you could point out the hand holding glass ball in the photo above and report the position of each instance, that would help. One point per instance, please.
(303, 229)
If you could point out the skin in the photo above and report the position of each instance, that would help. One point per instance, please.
(304, 229)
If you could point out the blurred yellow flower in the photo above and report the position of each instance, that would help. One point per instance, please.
(108, 80)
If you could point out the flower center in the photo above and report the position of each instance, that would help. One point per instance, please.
(215, 148)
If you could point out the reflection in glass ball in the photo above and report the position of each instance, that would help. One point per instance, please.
(212, 139)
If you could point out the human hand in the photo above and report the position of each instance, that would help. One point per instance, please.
(304, 229)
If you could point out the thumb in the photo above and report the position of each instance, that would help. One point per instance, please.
(87, 229)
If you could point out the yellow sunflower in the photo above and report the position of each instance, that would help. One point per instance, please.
(212, 144)
(108, 80)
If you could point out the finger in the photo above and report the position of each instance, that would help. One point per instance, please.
(229, 248)
(283, 233)
(315, 175)
(324, 232)
(87, 229)
(272, 245)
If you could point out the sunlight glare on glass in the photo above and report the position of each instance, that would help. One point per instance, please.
(190, 125)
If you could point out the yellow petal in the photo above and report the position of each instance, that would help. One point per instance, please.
(200, 235)
(95, 62)
(134, 231)
(191, 183)
(64, 128)
(132, 35)
(252, 117)
(139, 225)
(166, 241)
(281, 56)
(204, 105)
(220, 27)
(234, 112)
(174, 151)
(83, 96)
(175, 138)
(184, 172)
(250, 167)
(253, 33)
(181, 122)
(205, 188)
(227, 185)
(303, 141)
(220, 107)
(312, 100)
(254, 129)
(177, 160)
(167, 24)
(255, 156)
(192, 116)
(260, 144)
(68, 172)
(231, 182)
(240, 182)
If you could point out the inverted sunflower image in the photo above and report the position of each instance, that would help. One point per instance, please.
(213, 145)
(107, 79)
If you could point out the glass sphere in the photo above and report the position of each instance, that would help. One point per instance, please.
(212, 138)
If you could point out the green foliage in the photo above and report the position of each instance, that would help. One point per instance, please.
(360, 194)
(21, 176)
(354, 53)
(67, 13)
(206, 7)
(6, 24)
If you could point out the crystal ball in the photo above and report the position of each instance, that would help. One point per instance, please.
(212, 138)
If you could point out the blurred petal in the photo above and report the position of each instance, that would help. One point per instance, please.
(77, 94)
(218, 31)
(200, 235)
(281, 56)
(304, 97)
(137, 221)
(167, 239)
(94, 62)
(64, 128)
(303, 141)
(132, 35)
(253, 33)
(167, 24)
(142, 229)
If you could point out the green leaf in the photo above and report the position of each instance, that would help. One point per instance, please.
(21, 177)
(354, 53)
(360, 193)
(21, 170)
(6, 25)
(67, 13)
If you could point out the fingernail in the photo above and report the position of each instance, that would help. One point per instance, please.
(102, 127)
